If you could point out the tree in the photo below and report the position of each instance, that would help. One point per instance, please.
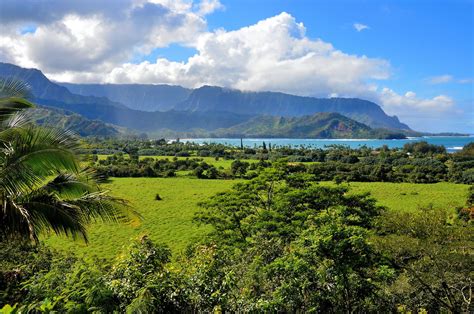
(435, 259)
(42, 187)
(293, 245)
(239, 168)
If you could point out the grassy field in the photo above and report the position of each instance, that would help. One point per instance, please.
(410, 196)
(170, 220)
(167, 221)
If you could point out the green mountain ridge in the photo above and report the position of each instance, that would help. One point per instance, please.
(75, 122)
(319, 125)
(209, 98)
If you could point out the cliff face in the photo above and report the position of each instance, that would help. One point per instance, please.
(211, 98)
(43, 88)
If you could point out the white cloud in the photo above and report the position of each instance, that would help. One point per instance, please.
(440, 79)
(273, 54)
(360, 27)
(411, 105)
(466, 81)
(447, 78)
(206, 7)
(94, 36)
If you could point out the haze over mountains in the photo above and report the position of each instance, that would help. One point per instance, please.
(136, 96)
(206, 110)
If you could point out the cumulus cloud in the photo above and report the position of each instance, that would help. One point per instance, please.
(360, 27)
(93, 36)
(409, 104)
(274, 54)
(206, 7)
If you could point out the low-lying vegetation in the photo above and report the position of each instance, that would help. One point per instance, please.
(417, 162)
(278, 242)
(270, 230)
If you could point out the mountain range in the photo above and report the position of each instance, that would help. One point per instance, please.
(206, 110)
(212, 98)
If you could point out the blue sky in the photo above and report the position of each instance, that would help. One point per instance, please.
(414, 58)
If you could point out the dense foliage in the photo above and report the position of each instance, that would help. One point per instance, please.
(281, 242)
(417, 162)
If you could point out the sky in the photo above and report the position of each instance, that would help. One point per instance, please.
(413, 58)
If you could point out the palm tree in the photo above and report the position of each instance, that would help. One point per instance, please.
(42, 186)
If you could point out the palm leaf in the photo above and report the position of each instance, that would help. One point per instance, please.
(11, 87)
(32, 202)
(13, 98)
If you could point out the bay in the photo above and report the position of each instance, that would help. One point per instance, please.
(452, 143)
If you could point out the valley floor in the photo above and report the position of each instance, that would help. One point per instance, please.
(170, 220)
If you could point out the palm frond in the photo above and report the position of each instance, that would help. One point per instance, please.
(32, 202)
(69, 185)
(30, 155)
(11, 87)
(102, 206)
(18, 120)
(43, 212)
(9, 107)
(51, 214)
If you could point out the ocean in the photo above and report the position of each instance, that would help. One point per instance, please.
(452, 143)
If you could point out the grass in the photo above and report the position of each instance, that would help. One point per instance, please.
(169, 221)
(411, 196)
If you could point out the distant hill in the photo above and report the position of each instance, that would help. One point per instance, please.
(74, 122)
(144, 97)
(209, 98)
(319, 125)
(213, 98)
(150, 121)
(43, 88)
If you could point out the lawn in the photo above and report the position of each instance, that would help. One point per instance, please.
(170, 220)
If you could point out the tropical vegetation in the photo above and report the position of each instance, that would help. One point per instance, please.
(275, 230)
(42, 186)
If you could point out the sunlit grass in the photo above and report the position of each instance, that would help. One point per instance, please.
(169, 221)
(411, 196)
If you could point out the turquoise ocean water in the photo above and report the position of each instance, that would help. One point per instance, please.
(452, 143)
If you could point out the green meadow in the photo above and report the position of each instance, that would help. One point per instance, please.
(411, 196)
(170, 220)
